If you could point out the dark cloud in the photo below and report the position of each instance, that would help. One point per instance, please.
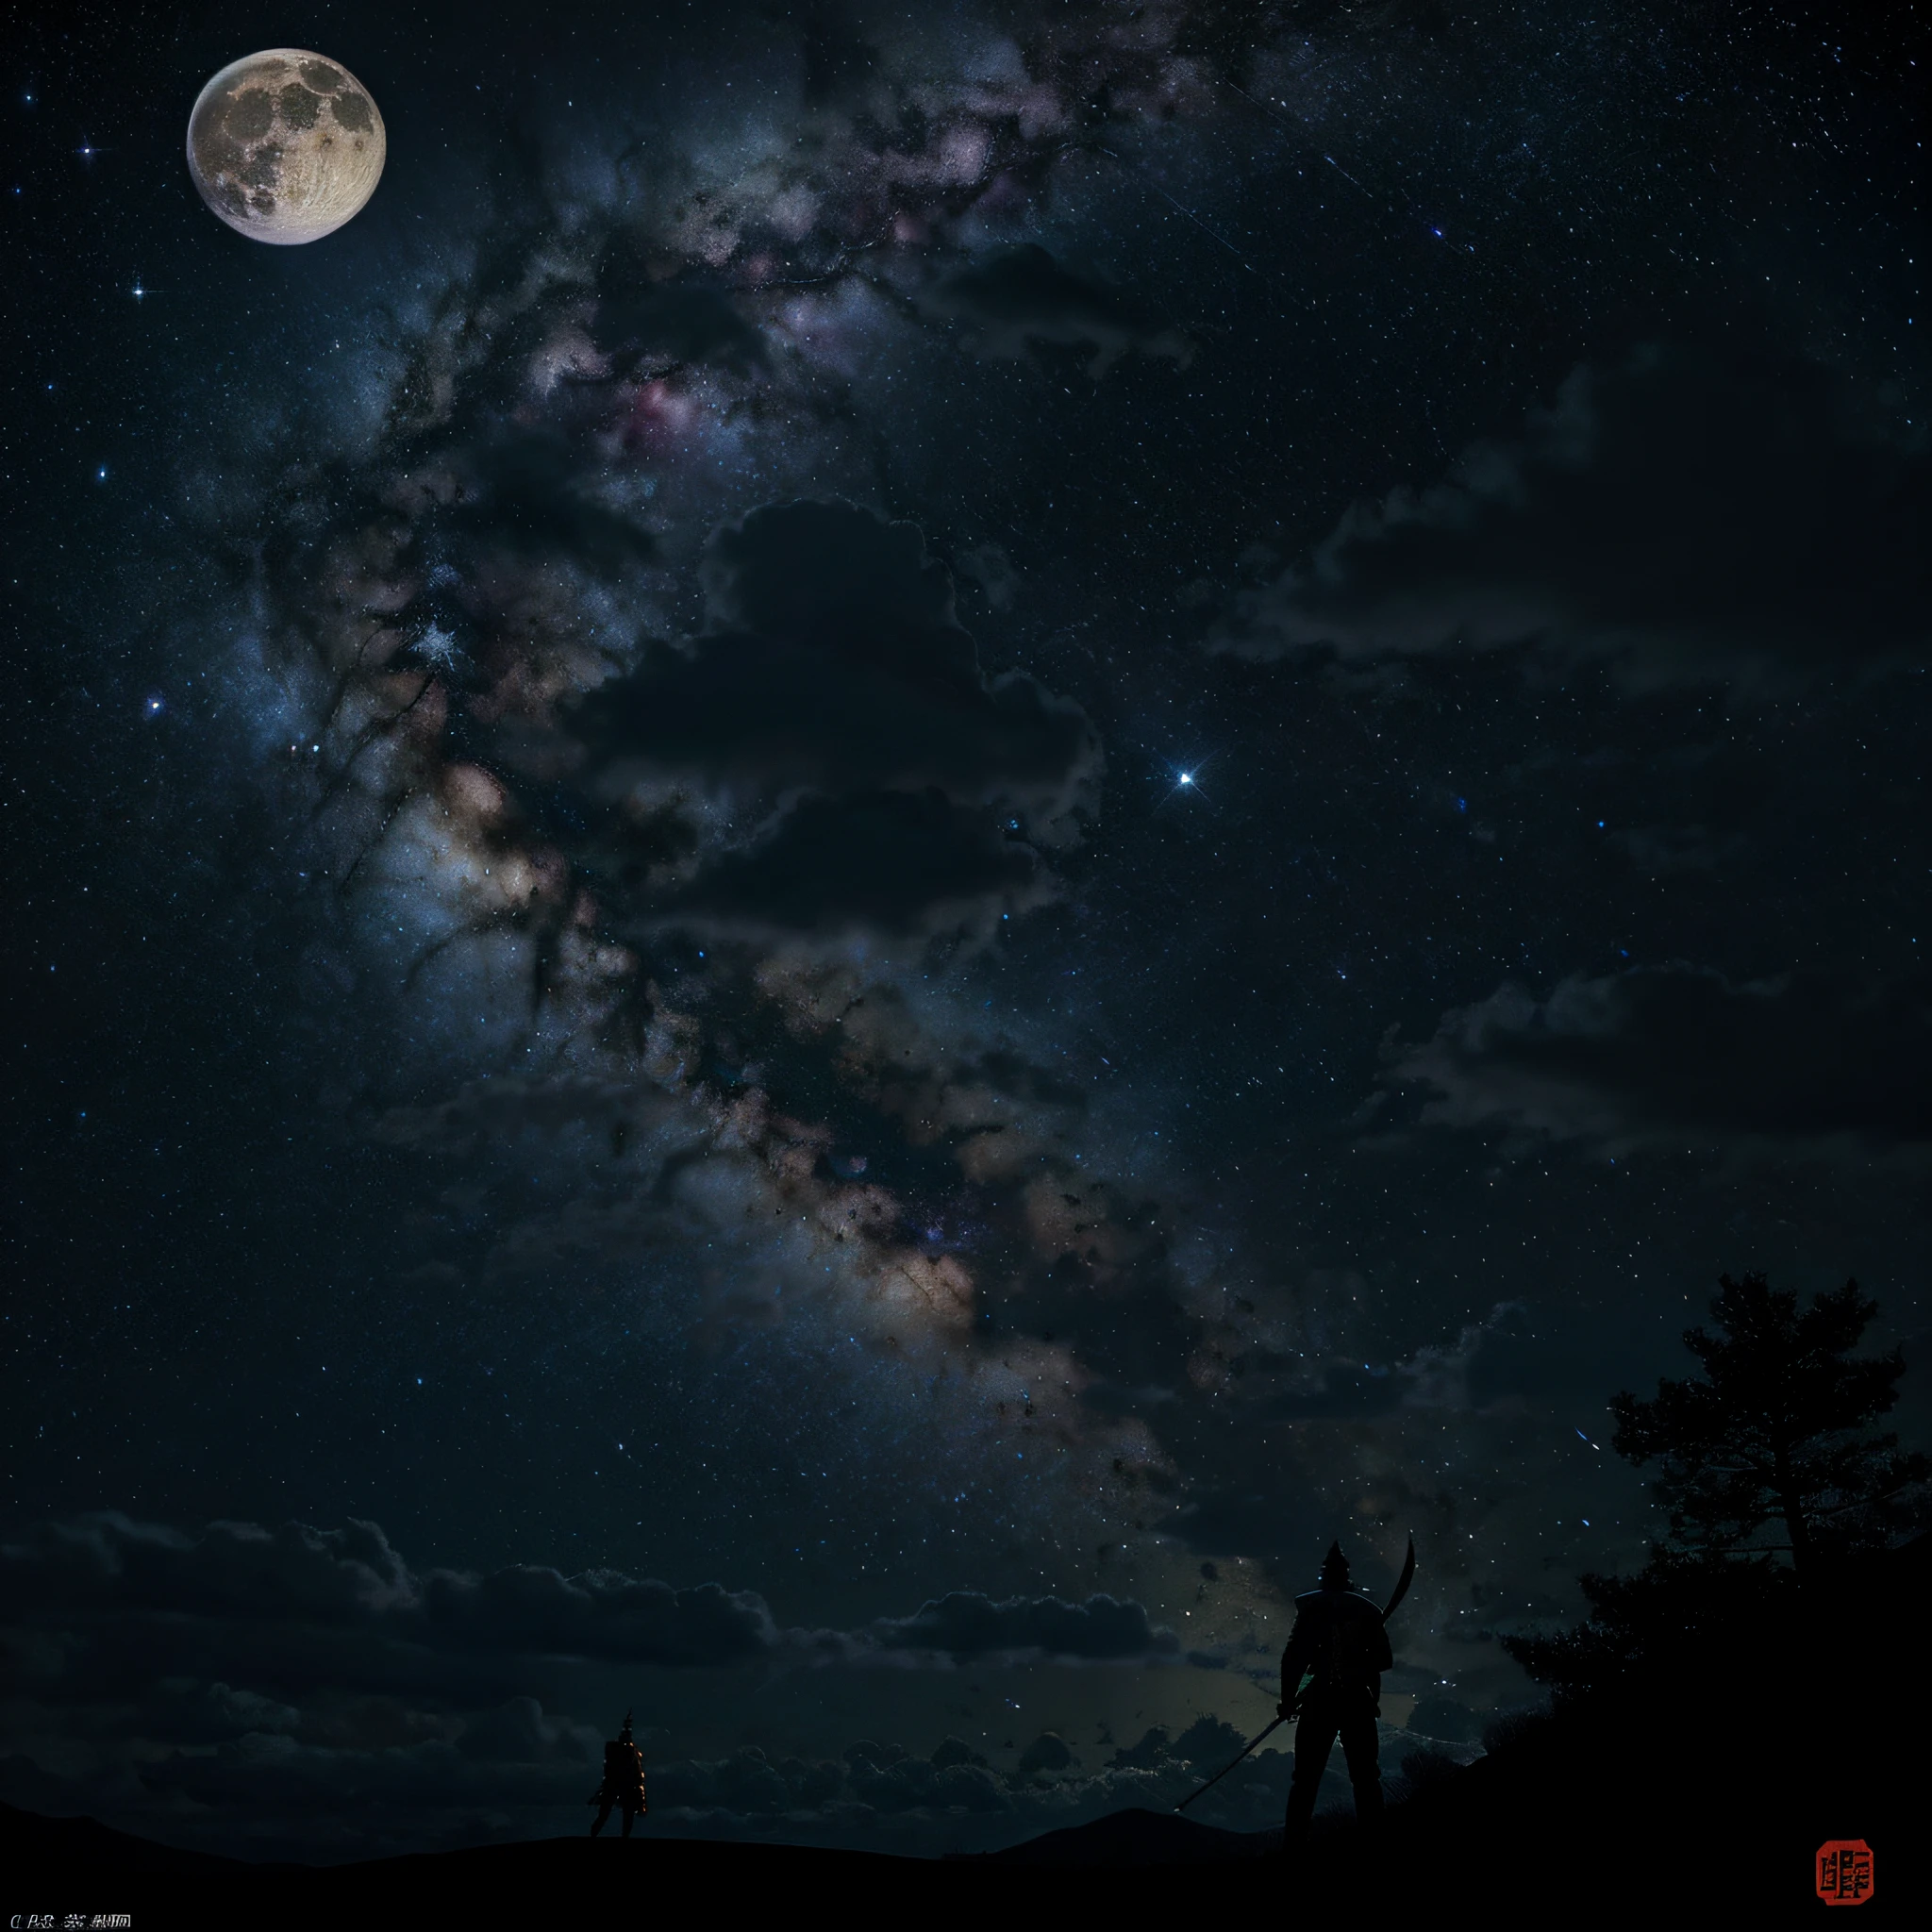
(295, 1574)
(1049, 1752)
(1025, 297)
(810, 571)
(886, 863)
(966, 1624)
(527, 495)
(831, 657)
(107, 1576)
(600, 1614)
(834, 696)
(746, 1782)
(1681, 1055)
(520, 1731)
(1686, 514)
(642, 321)
(864, 775)
(892, 1780)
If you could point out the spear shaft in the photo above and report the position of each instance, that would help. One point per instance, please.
(1226, 1767)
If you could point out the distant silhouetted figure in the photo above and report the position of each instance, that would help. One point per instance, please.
(1340, 1638)
(624, 1781)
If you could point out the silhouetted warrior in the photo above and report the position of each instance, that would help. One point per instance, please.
(1340, 1638)
(624, 1781)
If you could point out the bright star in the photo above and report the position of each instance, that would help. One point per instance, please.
(1188, 779)
(439, 647)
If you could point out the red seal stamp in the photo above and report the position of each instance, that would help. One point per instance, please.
(1845, 1872)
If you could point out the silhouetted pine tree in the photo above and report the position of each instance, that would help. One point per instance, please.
(1775, 1437)
(1777, 1434)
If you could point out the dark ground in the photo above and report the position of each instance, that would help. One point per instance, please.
(1562, 1825)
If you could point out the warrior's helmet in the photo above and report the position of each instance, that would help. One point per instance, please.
(1335, 1568)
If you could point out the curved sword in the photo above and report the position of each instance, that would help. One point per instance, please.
(1403, 1581)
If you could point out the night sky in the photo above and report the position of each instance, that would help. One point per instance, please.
(904, 833)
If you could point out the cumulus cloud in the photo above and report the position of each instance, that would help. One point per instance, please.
(296, 1573)
(1675, 1055)
(1683, 514)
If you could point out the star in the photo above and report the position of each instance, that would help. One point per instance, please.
(439, 647)
(1188, 778)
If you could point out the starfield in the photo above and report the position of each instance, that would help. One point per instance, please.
(854, 850)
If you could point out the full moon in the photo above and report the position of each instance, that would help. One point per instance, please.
(286, 146)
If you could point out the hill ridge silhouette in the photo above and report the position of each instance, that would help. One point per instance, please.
(1702, 1781)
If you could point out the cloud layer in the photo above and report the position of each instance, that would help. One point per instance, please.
(305, 1691)
(1681, 1055)
(1687, 515)
(109, 1570)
